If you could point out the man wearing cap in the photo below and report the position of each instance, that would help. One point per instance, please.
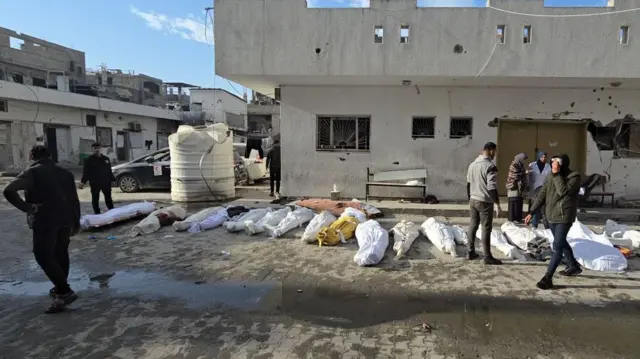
(482, 191)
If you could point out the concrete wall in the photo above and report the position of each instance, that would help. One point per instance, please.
(217, 103)
(284, 38)
(272, 110)
(307, 172)
(129, 86)
(28, 120)
(39, 58)
(13, 91)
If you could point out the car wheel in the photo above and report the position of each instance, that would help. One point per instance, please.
(128, 184)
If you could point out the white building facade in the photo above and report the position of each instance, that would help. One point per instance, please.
(221, 106)
(69, 123)
(395, 86)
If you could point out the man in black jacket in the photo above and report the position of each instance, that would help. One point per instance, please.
(97, 171)
(53, 213)
(273, 164)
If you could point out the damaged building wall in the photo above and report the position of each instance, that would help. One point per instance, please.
(257, 41)
(308, 172)
(74, 130)
(35, 60)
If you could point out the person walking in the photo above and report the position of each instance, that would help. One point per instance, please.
(538, 172)
(53, 213)
(273, 163)
(559, 196)
(482, 190)
(517, 184)
(97, 171)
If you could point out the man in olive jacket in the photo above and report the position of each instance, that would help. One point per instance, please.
(559, 195)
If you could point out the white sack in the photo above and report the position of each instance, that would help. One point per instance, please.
(373, 241)
(151, 223)
(214, 220)
(371, 210)
(621, 231)
(324, 219)
(404, 234)
(271, 219)
(117, 214)
(293, 220)
(440, 235)
(357, 214)
(180, 226)
(459, 235)
(237, 224)
(519, 236)
(594, 251)
(499, 241)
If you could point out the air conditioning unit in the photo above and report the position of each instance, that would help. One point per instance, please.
(134, 126)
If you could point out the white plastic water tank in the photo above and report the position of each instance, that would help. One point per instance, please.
(187, 146)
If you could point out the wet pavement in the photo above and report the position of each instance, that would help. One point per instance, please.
(221, 295)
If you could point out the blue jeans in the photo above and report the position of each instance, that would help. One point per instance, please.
(560, 247)
(537, 215)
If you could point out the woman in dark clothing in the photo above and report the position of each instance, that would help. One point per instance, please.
(517, 184)
(559, 196)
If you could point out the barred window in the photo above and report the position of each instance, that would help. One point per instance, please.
(423, 127)
(460, 127)
(343, 133)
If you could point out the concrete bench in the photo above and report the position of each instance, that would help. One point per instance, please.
(379, 179)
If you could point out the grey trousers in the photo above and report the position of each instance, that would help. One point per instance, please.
(480, 213)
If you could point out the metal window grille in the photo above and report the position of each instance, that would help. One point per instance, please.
(343, 133)
(460, 127)
(423, 127)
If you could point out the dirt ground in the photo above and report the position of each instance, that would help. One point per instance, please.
(221, 295)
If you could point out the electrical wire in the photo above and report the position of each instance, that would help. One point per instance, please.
(510, 12)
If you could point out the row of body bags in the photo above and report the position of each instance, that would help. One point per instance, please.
(252, 221)
(593, 251)
(328, 230)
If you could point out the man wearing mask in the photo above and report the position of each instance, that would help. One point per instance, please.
(559, 196)
(538, 172)
(53, 213)
(482, 190)
(97, 171)
(273, 163)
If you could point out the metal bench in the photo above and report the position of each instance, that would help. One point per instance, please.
(602, 194)
(379, 179)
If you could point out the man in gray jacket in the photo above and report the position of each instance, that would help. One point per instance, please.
(482, 190)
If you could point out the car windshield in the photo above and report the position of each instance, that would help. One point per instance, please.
(154, 156)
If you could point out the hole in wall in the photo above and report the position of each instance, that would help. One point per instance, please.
(318, 51)
(458, 49)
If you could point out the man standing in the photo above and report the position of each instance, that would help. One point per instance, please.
(482, 190)
(97, 171)
(273, 163)
(559, 196)
(53, 213)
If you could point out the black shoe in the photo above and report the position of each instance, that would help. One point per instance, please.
(545, 283)
(271, 194)
(471, 255)
(571, 271)
(52, 292)
(60, 302)
(492, 261)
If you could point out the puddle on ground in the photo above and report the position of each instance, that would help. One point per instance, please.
(153, 286)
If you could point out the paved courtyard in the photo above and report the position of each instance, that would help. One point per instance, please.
(221, 295)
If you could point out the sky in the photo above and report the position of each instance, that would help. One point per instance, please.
(170, 40)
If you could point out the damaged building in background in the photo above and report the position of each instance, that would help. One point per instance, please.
(263, 117)
(221, 106)
(47, 97)
(426, 88)
(127, 86)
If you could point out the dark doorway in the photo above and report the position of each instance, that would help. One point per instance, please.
(122, 146)
(52, 143)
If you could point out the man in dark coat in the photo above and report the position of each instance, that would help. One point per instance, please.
(53, 213)
(97, 171)
(559, 196)
(273, 164)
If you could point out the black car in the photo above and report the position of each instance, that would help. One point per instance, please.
(151, 171)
